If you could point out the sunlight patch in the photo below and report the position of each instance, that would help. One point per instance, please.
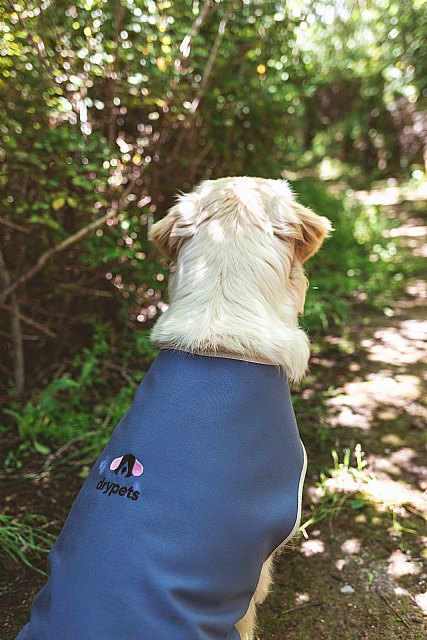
(421, 600)
(312, 547)
(301, 598)
(401, 565)
(352, 545)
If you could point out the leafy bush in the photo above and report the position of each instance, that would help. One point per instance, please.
(357, 263)
(85, 404)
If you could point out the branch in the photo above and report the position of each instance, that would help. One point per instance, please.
(202, 155)
(396, 613)
(210, 63)
(303, 606)
(81, 291)
(199, 159)
(81, 233)
(185, 47)
(13, 225)
(123, 372)
(28, 275)
(25, 336)
(29, 321)
(179, 64)
(205, 79)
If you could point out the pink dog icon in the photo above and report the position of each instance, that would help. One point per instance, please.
(128, 465)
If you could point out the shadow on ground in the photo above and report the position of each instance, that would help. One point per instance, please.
(360, 571)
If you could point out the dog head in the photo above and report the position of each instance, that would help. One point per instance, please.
(251, 217)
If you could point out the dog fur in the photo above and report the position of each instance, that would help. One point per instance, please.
(237, 283)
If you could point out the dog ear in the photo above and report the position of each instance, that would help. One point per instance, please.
(306, 228)
(178, 225)
(313, 231)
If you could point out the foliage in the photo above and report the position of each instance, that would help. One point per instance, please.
(83, 406)
(23, 539)
(107, 108)
(356, 264)
(347, 485)
(112, 98)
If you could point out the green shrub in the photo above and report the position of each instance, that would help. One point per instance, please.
(85, 404)
(356, 264)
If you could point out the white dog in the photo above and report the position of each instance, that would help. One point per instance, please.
(237, 284)
(173, 533)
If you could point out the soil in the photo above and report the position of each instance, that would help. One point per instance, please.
(360, 571)
(357, 576)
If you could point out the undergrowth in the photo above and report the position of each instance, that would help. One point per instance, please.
(346, 484)
(358, 263)
(82, 405)
(24, 538)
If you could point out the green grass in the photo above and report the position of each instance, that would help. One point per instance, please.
(23, 539)
(82, 406)
(346, 484)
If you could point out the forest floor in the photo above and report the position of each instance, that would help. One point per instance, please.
(360, 570)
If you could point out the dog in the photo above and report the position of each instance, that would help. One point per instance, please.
(173, 533)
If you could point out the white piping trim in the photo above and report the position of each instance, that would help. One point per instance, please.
(296, 525)
(300, 488)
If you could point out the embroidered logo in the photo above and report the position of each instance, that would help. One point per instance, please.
(127, 465)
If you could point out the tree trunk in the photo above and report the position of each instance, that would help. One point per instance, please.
(16, 330)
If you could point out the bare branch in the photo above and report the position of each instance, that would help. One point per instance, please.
(81, 233)
(29, 321)
(211, 60)
(185, 47)
(25, 336)
(179, 64)
(13, 225)
(81, 291)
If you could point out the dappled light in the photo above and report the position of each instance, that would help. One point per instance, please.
(400, 565)
(110, 112)
(404, 344)
(301, 598)
(421, 600)
(352, 545)
(377, 399)
(357, 402)
(311, 547)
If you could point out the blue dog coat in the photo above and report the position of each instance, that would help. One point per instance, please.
(199, 483)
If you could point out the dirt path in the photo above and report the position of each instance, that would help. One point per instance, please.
(359, 574)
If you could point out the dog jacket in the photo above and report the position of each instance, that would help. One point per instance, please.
(199, 483)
